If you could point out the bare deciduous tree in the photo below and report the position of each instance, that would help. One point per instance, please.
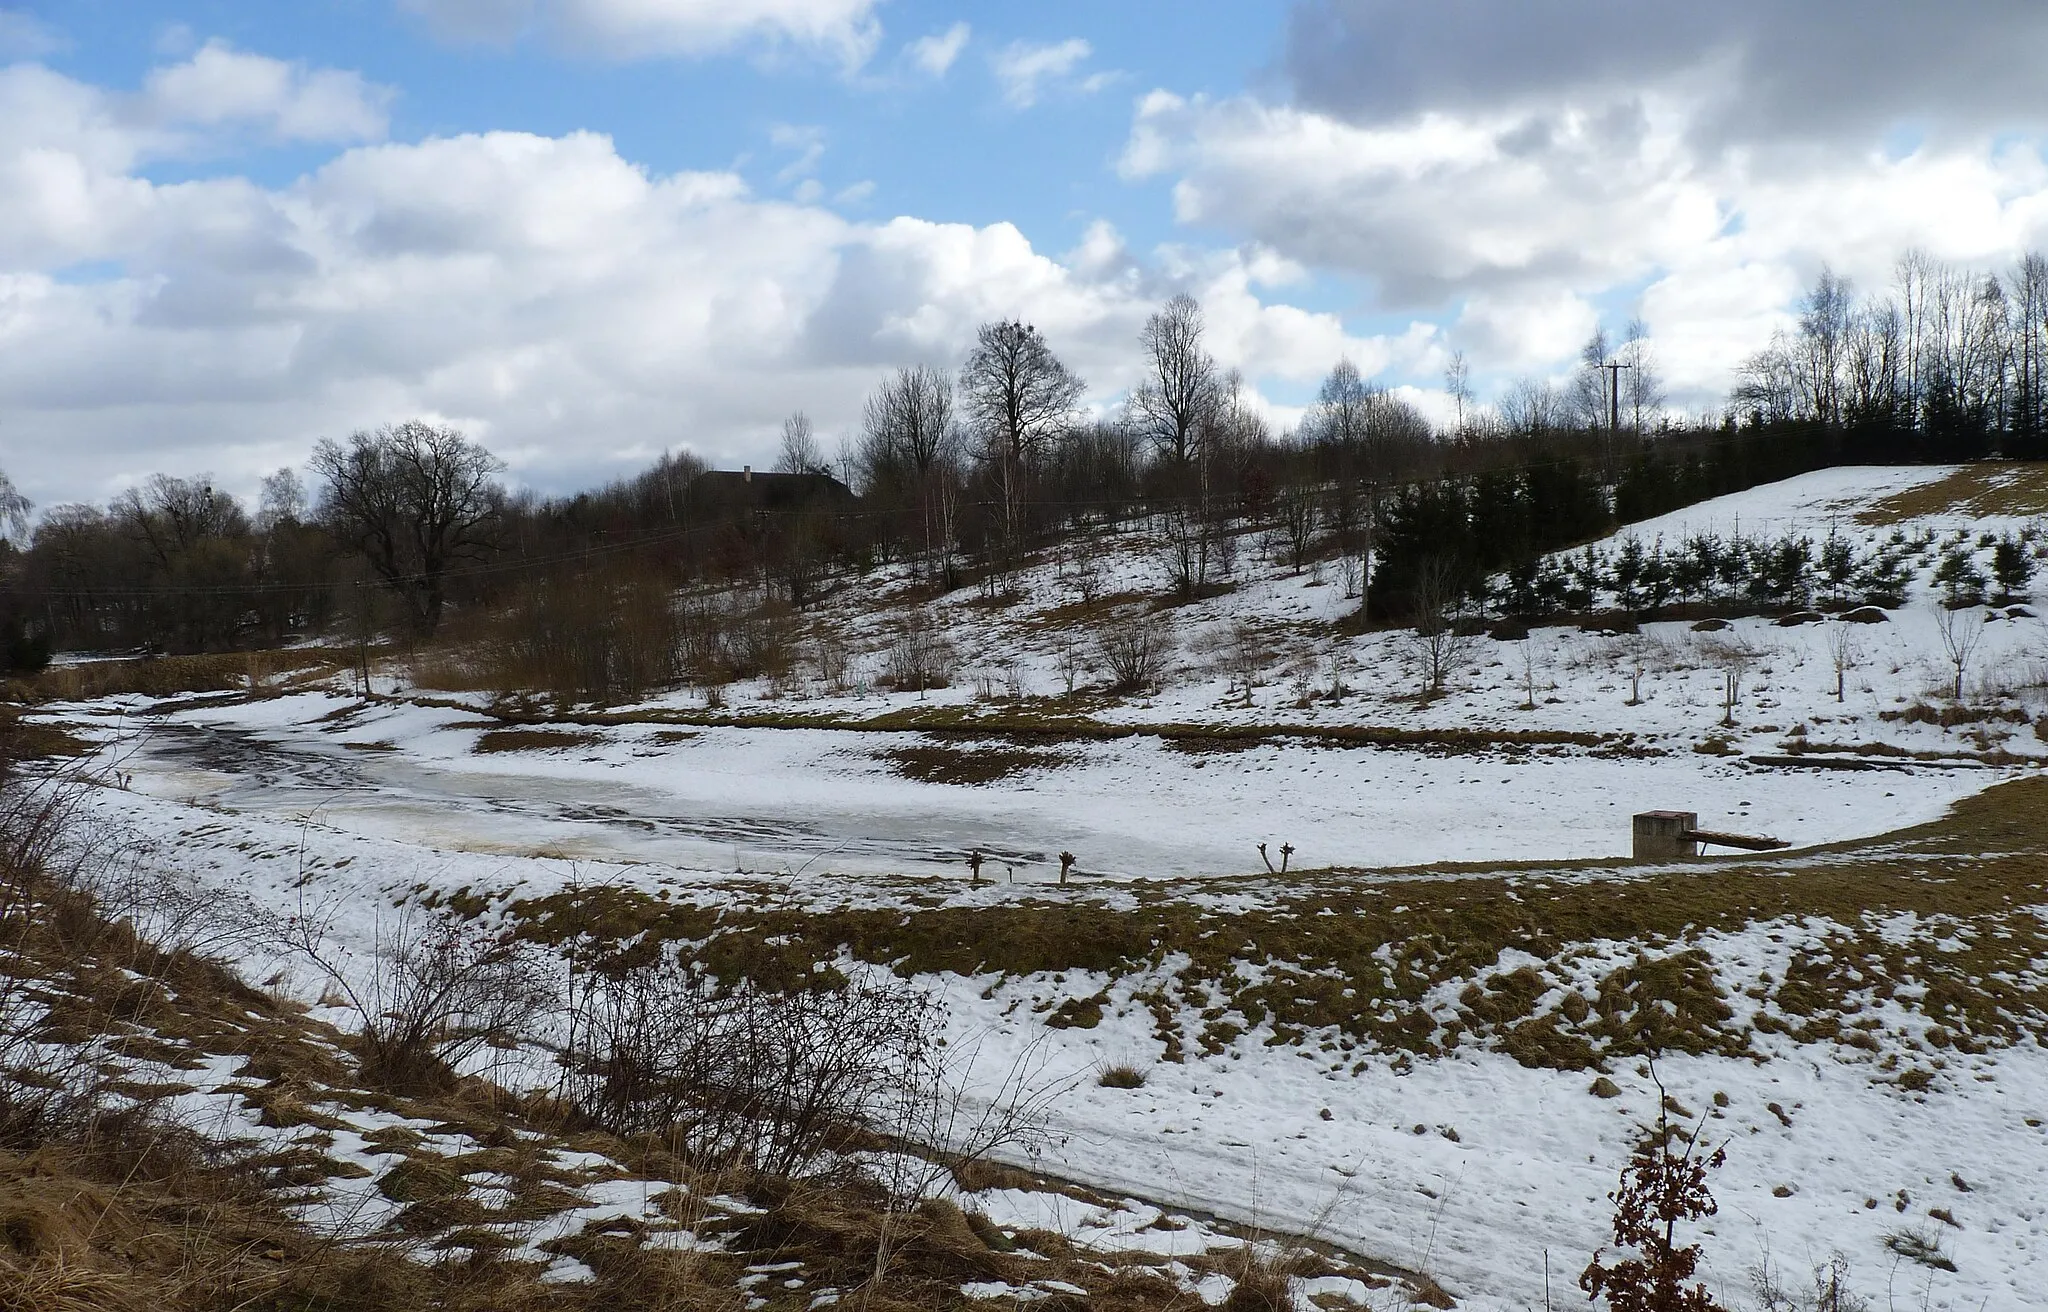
(1433, 641)
(1458, 383)
(909, 440)
(1844, 650)
(1734, 657)
(1960, 631)
(799, 453)
(14, 508)
(415, 499)
(1300, 517)
(1172, 406)
(1019, 397)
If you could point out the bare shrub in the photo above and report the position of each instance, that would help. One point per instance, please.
(79, 899)
(45, 1089)
(1245, 657)
(1830, 1291)
(919, 657)
(774, 1079)
(434, 992)
(833, 661)
(1733, 657)
(1135, 649)
(726, 636)
(1188, 543)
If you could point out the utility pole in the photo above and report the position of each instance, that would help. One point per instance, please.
(1613, 368)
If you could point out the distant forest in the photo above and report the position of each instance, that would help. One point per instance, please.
(964, 476)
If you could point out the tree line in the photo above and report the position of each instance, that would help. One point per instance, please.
(964, 474)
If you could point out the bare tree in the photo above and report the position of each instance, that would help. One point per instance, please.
(799, 452)
(1588, 390)
(1825, 318)
(910, 440)
(1300, 516)
(1912, 279)
(14, 508)
(1961, 630)
(1434, 642)
(1843, 652)
(415, 499)
(1531, 406)
(1642, 387)
(1019, 397)
(1172, 406)
(282, 500)
(1342, 415)
(2028, 352)
(1458, 383)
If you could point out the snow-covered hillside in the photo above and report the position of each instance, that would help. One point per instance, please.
(1425, 1094)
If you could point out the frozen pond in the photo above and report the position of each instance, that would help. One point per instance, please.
(785, 799)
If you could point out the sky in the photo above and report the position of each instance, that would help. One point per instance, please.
(589, 231)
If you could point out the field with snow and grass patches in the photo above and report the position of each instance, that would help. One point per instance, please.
(1428, 1042)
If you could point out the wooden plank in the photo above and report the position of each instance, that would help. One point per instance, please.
(1744, 841)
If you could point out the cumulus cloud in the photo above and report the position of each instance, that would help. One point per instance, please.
(219, 85)
(1025, 69)
(634, 29)
(935, 54)
(1509, 162)
(571, 308)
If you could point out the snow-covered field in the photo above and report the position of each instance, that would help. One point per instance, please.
(1479, 1170)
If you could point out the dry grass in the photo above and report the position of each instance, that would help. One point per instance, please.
(940, 763)
(169, 676)
(1122, 1075)
(1978, 869)
(130, 1212)
(533, 740)
(36, 739)
(1988, 488)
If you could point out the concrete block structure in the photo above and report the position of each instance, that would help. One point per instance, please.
(1660, 834)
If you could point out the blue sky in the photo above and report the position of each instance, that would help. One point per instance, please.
(229, 228)
(950, 148)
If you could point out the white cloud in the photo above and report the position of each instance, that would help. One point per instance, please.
(569, 307)
(1024, 68)
(637, 29)
(1516, 219)
(935, 54)
(219, 85)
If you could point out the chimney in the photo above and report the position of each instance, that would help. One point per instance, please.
(746, 473)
